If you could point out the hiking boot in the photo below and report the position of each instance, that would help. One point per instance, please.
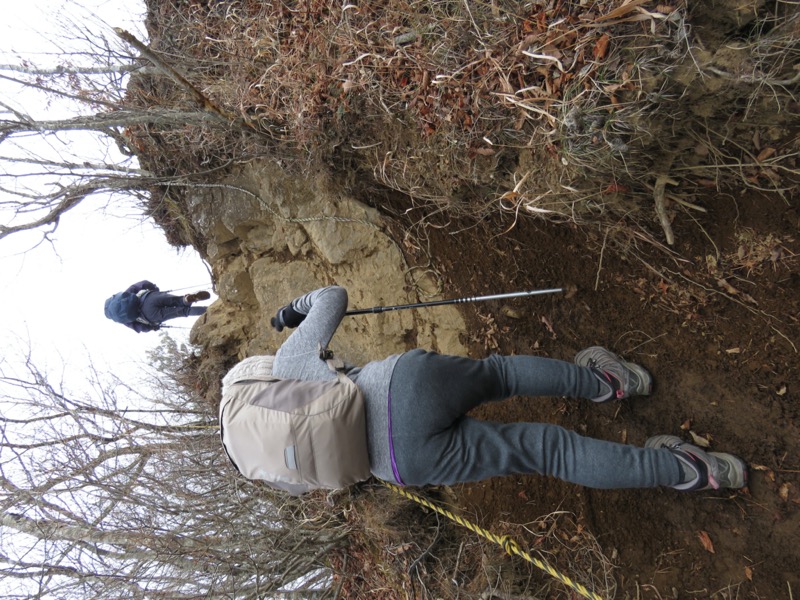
(625, 379)
(192, 298)
(706, 470)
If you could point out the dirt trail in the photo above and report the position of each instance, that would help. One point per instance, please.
(725, 367)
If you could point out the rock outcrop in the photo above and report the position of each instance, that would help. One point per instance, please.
(272, 237)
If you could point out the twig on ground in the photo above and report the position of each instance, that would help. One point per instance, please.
(661, 210)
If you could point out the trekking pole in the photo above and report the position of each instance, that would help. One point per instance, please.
(188, 287)
(380, 309)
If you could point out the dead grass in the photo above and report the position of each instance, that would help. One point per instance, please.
(757, 252)
(397, 549)
(401, 550)
(532, 109)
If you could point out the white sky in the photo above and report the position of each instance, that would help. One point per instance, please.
(52, 295)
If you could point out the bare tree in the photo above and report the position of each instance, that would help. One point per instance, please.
(58, 184)
(51, 163)
(100, 501)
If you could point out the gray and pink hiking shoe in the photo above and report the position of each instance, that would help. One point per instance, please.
(625, 379)
(706, 470)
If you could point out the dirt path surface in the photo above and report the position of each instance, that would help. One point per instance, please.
(718, 329)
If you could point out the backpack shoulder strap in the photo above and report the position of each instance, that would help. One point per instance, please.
(336, 365)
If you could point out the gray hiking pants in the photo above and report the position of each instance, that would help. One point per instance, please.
(158, 307)
(435, 443)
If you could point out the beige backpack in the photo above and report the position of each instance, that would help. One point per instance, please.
(296, 435)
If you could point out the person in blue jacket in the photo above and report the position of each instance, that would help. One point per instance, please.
(153, 307)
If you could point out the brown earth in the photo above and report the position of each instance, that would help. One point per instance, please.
(725, 361)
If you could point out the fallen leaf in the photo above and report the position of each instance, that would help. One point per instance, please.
(765, 154)
(620, 11)
(733, 350)
(699, 440)
(783, 491)
(770, 473)
(782, 391)
(549, 325)
(757, 140)
(616, 188)
(601, 47)
(706, 541)
(522, 495)
(748, 572)
(727, 287)
(686, 425)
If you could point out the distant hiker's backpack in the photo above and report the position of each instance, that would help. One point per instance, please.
(295, 435)
(123, 307)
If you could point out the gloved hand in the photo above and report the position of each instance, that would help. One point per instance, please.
(287, 317)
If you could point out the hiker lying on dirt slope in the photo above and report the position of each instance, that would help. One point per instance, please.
(415, 425)
(142, 307)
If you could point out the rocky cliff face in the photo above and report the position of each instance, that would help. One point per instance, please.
(271, 237)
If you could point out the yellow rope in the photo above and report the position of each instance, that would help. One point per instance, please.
(505, 542)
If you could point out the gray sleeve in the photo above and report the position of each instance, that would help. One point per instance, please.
(298, 356)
